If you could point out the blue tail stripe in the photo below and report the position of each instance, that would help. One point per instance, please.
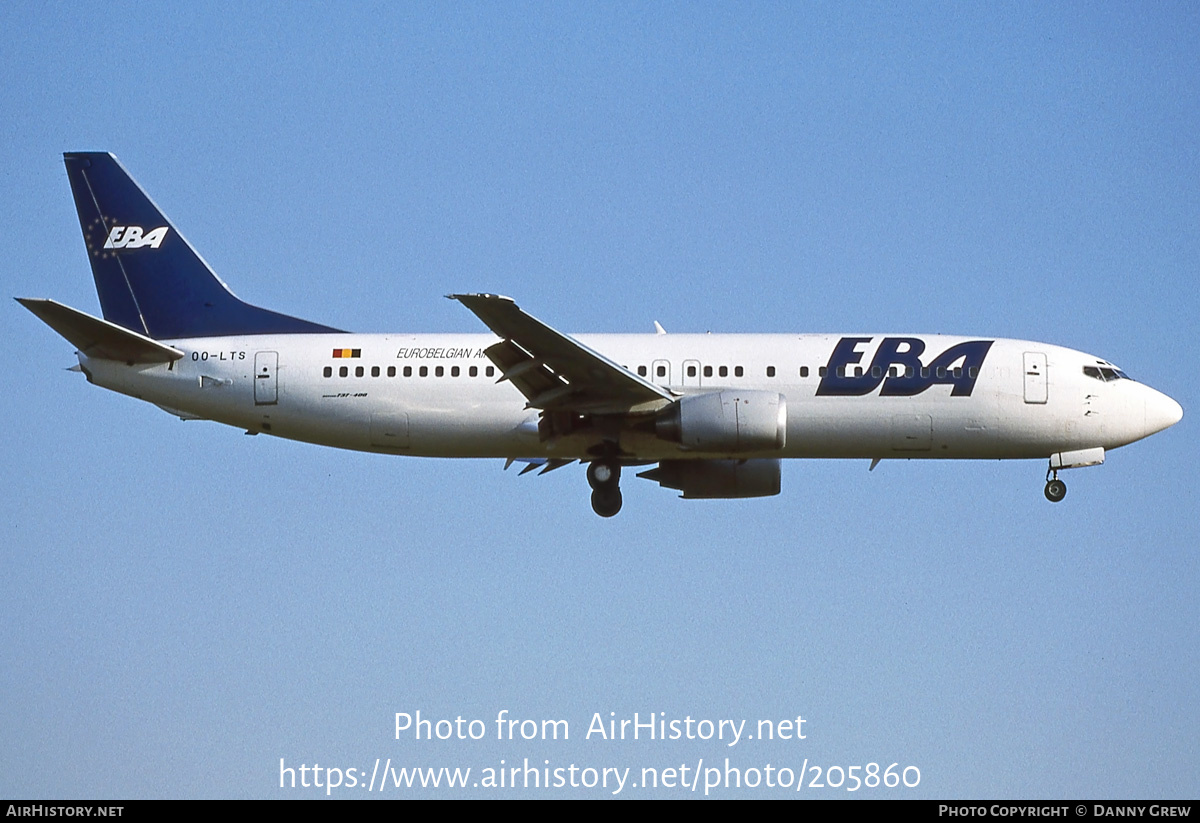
(149, 278)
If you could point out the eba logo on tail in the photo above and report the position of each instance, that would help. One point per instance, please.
(133, 237)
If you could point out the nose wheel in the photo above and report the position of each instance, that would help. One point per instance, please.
(1056, 490)
(604, 477)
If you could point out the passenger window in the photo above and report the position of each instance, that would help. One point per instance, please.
(770, 371)
(424, 371)
(723, 371)
(391, 371)
(804, 371)
(474, 371)
(641, 371)
(491, 371)
(876, 372)
(737, 371)
(661, 371)
(374, 371)
(329, 371)
(408, 371)
(439, 371)
(822, 371)
(454, 371)
(858, 371)
(358, 372)
(691, 371)
(343, 372)
(973, 372)
(708, 371)
(893, 371)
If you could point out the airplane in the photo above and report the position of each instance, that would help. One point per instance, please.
(711, 415)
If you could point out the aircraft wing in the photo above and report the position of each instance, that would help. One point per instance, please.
(99, 338)
(554, 370)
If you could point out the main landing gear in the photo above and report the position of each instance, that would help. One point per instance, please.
(604, 477)
(1056, 490)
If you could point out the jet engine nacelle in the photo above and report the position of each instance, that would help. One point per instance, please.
(726, 421)
(700, 479)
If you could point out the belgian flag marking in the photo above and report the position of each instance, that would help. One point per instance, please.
(339, 353)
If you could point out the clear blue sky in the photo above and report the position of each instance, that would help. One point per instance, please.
(181, 606)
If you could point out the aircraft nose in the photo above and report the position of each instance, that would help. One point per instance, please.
(1161, 412)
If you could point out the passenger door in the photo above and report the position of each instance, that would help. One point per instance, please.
(266, 387)
(1036, 390)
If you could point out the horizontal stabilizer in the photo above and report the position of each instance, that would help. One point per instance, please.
(99, 338)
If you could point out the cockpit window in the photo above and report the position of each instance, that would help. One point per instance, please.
(1105, 374)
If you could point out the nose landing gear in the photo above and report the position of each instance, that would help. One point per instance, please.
(604, 477)
(1056, 490)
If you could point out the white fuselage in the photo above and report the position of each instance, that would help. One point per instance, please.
(438, 395)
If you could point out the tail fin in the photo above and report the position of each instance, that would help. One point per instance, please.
(149, 278)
